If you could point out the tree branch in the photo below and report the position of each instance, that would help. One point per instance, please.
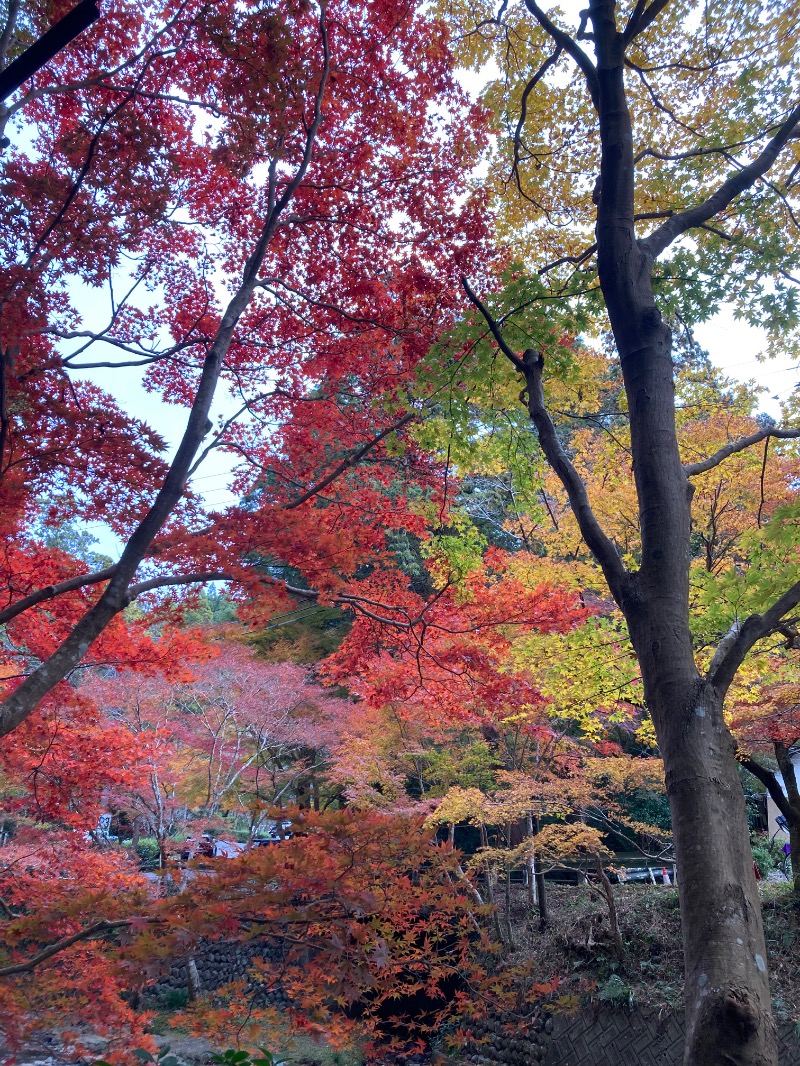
(662, 237)
(351, 460)
(51, 591)
(531, 366)
(570, 46)
(82, 580)
(176, 579)
(769, 780)
(218, 436)
(641, 18)
(91, 931)
(723, 667)
(581, 257)
(692, 469)
(596, 540)
(494, 328)
(8, 31)
(523, 109)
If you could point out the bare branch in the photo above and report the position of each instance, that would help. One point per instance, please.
(662, 237)
(692, 469)
(218, 441)
(581, 257)
(50, 592)
(531, 366)
(698, 153)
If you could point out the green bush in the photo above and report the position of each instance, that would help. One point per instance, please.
(762, 853)
(173, 999)
(616, 991)
(244, 1058)
(148, 851)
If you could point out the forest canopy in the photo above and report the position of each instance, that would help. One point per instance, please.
(509, 563)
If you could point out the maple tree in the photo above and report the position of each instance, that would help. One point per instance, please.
(643, 155)
(63, 898)
(271, 199)
(473, 722)
(371, 914)
(80, 925)
(277, 200)
(234, 733)
(64, 905)
(377, 935)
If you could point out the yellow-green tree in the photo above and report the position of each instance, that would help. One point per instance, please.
(645, 169)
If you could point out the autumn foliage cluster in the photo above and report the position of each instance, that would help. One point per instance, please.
(269, 212)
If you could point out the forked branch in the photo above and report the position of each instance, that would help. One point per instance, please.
(350, 461)
(643, 15)
(551, 61)
(494, 329)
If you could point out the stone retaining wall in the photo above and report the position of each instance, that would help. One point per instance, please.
(597, 1036)
(593, 1036)
(503, 1044)
(606, 1036)
(218, 963)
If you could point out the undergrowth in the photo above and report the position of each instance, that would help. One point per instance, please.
(577, 947)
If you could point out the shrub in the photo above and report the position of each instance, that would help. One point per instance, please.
(173, 999)
(148, 851)
(762, 853)
(616, 991)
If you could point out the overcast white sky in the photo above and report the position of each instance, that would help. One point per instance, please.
(733, 346)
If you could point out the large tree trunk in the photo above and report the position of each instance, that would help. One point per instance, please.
(728, 1012)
